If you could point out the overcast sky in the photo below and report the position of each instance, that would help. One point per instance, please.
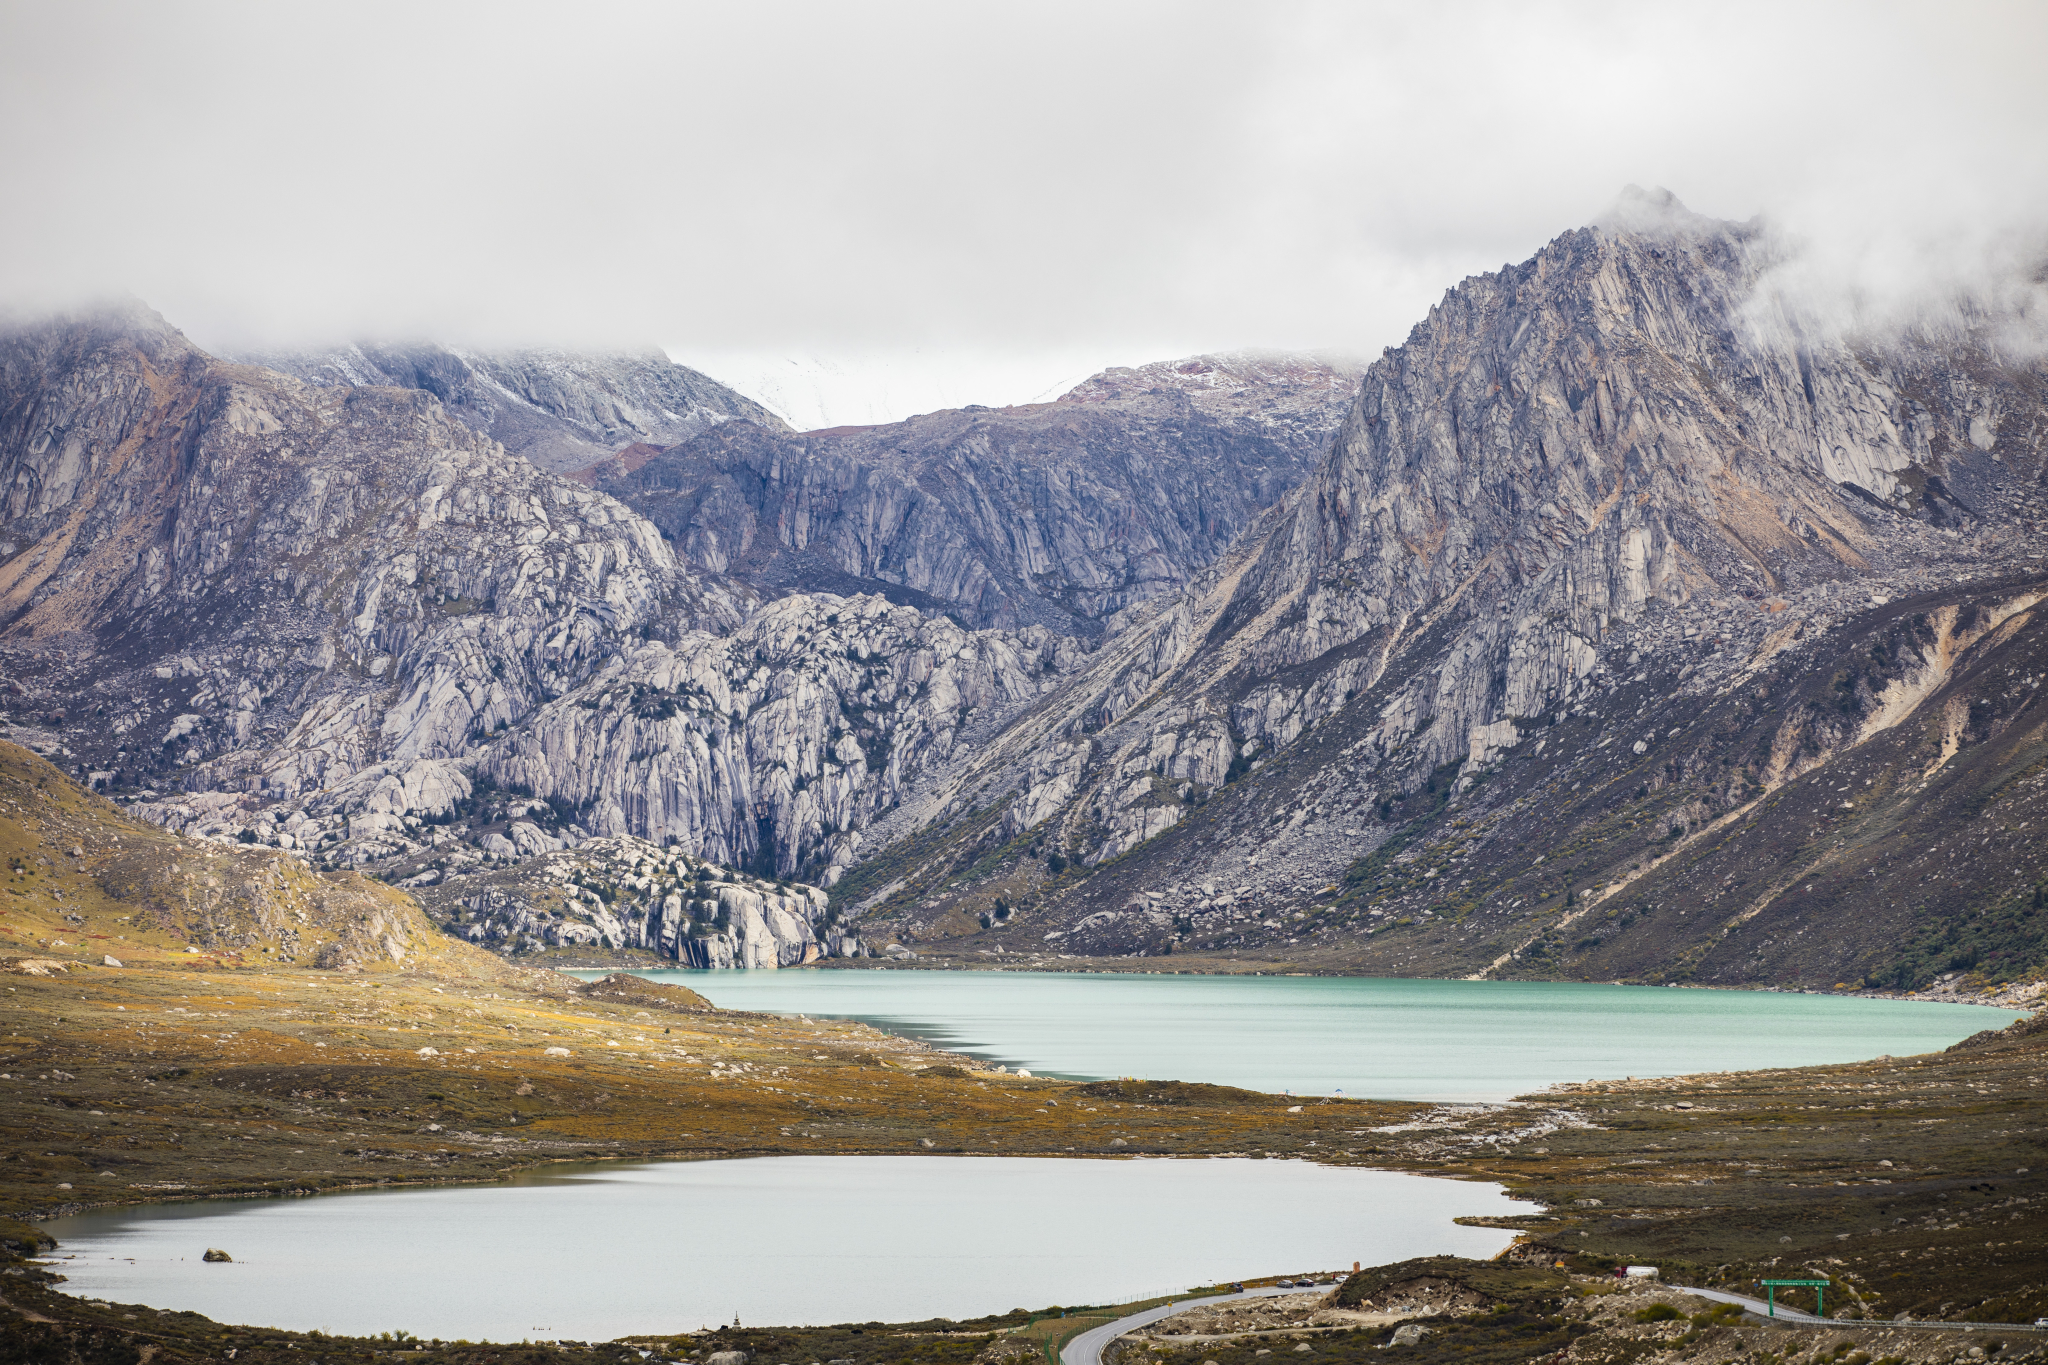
(994, 197)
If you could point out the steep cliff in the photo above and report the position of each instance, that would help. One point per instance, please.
(779, 746)
(560, 409)
(1592, 499)
(1058, 514)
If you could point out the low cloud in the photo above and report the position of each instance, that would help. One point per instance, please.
(1010, 187)
(1879, 281)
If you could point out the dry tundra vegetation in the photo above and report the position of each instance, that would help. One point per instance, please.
(324, 1035)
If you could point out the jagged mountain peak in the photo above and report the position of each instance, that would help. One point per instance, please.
(1059, 514)
(282, 585)
(1210, 653)
(1598, 413)
(1582, 484)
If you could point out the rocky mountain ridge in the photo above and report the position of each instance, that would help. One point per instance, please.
(1585, 493)
(1609, 579)
(321, 619)
(225, 579)
(563, 410)
(1053, 514)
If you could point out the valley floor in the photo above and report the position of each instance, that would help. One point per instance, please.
(1910, 1183)
(135, 1084)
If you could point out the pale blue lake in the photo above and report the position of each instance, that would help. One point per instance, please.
(1380, 1038)
(597, 1253)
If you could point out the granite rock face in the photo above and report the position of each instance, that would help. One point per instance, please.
(1563, 447)
(1608, 471)
(560, 409)
(240, 585)
(1056, 514)
(341, 622)
(626, 894)
(776, 747)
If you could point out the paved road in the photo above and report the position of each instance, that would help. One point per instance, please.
(1086, 1349)
(1799, 1319)
(1758, 1306)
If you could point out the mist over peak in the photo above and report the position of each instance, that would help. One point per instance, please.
(1889, 281)
(1208, 179)
(1654, 212)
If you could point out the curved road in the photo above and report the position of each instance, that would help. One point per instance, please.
(1086, 1349)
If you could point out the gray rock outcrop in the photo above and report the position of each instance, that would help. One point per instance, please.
(622, 893)
(268, 593)
(779, 746)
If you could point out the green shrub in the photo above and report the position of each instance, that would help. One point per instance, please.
(1658, 1312)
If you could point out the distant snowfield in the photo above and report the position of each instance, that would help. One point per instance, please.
(811, 391)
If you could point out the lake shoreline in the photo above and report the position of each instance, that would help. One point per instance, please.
(2021, 995)
(864, 1229)
(1653, 1153)
(1814, 1165)
(1392, 1038)
(180, 1085)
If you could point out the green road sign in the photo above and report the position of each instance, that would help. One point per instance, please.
(1819, 1288)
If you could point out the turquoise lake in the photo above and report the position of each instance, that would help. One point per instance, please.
(1380, 1038)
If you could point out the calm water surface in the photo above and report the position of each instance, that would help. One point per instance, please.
(601, 1252)
(1387, 1039)
(676, 1246)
